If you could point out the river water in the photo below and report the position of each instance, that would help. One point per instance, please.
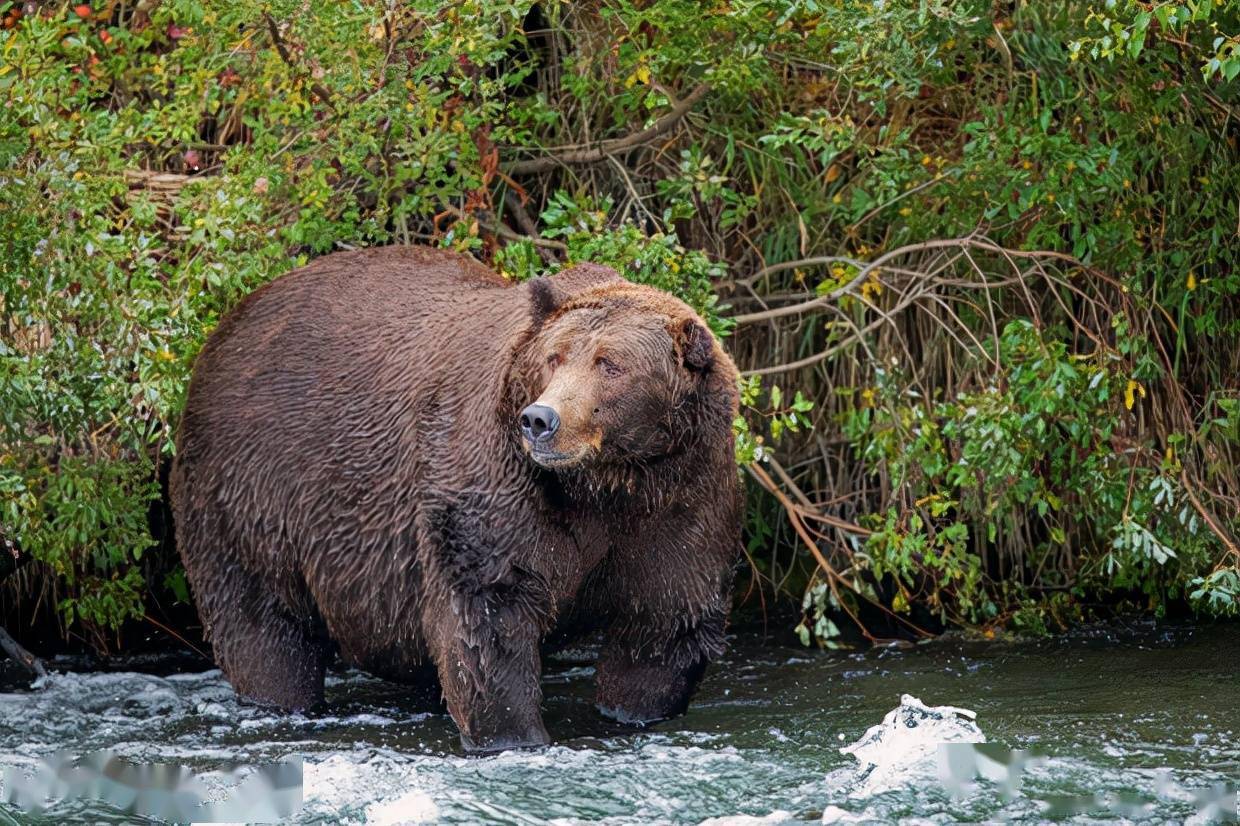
(1134, 722)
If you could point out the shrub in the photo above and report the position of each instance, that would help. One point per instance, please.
(985, 252)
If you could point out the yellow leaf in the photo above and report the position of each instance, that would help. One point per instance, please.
(833, 173)
(872, 286)
(1192, 280)
(1130, 392)
(643, 74)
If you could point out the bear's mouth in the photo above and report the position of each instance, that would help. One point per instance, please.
(545, 457)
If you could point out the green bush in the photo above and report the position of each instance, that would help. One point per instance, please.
(991, 434)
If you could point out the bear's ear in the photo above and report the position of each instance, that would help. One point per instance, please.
(695, 344)
(543, 299)
(548, 293)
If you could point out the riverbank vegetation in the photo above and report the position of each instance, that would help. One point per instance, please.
(977, 260)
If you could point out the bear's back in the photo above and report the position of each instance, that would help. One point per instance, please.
(318, 331)
(317, 399)
(380, 288)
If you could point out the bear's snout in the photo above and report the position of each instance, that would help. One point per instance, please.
(539, 423)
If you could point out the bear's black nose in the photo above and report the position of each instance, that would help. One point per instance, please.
(539, 422)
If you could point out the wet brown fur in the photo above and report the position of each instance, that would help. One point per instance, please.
(350, 476)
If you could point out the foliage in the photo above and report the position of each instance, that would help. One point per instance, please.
(1123, 28)
(1031, 465)
(978, 432)
(656, 259)
(779, 415)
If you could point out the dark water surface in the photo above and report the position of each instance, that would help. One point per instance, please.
(1145, 714)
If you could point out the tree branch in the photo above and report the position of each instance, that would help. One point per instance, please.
(512, 201)
(604, 149)
(853, 284)
(1209, 519)
(278, 42)
(489, 222)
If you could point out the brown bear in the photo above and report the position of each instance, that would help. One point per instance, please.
(398, 455)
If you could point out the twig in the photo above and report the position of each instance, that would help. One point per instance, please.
(628, 183)
(808, 509)
(527, 224)
(1209, 519)
(23, 657)
(900, 252)
(833, 576)
(503, 231)
(817, 357)
(604, 149)
(278, 42)
(802, 262)
(177, 637)
(795, 520)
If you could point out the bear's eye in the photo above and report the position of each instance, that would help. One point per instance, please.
(609, 367)
(554, 360)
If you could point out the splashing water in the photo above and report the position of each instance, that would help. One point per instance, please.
(904, 747)
(1143, 714)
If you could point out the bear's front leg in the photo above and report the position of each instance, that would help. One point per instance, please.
(664, 596)
(486, 648)
(648, 673)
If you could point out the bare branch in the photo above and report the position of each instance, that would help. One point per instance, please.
(604, 149)
(512, 201)
(503, 230)
(862, 274)
(803, 262)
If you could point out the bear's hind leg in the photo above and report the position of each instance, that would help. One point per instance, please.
(271, 657)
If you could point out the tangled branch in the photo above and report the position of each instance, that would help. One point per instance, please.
(607, 148)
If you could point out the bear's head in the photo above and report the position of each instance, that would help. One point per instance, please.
(617, 375)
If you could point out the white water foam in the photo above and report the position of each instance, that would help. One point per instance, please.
(899, 753)
(373, 761)
(903, 748)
